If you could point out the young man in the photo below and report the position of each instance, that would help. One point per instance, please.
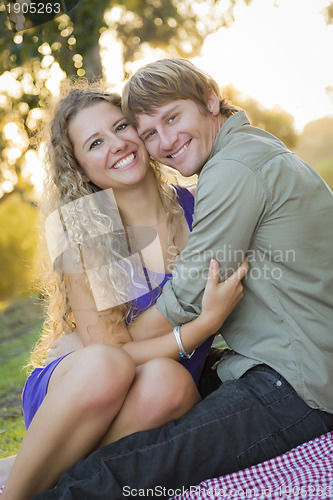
(253, 197)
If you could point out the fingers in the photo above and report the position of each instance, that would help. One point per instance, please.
(213, 273)
(54, 344)
(235, 277)
(243, 269)
(52, 354)
(240, 272)
(55, 351)
(49, 360)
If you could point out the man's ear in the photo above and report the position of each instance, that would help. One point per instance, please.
(213, 103)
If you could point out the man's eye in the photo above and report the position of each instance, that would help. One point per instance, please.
(96, 143)
(121, 127)
(150, 135)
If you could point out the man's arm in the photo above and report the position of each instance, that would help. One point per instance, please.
(230, 204)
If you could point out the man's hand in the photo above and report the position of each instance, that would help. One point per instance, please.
(220, 299)
(64, 345)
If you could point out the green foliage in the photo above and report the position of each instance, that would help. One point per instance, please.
(178, 27)
(276, 121)
(70, 44)
(325, 170)
(316, 141)
(18, 246)
(12, 432)
(19, 330)
(315, 147)
(172, 24)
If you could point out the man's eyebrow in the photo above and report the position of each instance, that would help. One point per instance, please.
(95, 134)
(141, 134)
(167, 112)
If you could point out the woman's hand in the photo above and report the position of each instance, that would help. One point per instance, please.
(220, 299)
(64, 345)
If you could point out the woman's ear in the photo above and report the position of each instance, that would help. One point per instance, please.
(213, 103)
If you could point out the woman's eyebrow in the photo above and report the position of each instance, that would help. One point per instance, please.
(89, 138)
(119, 120)
(95, 134)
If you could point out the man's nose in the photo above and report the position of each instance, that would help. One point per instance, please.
(167, 140)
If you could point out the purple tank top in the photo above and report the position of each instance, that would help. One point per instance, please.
(195, 364)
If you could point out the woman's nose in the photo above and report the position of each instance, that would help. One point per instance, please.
(117, 144)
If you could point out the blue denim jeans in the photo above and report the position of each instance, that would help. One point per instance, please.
(240, 424)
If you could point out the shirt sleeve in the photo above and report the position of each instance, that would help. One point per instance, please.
(230, 203)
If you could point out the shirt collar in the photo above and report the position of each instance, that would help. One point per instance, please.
(235, 121)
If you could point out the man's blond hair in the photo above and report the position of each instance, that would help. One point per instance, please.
(166, 80)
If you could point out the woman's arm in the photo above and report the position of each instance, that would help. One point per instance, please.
(91, 326)
(149, 324)
(218, 302)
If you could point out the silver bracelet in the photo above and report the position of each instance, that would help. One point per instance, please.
(182, 352)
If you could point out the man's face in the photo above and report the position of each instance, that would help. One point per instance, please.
(180, 134)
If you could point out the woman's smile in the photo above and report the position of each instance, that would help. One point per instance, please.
(124, 162)
(108, 149)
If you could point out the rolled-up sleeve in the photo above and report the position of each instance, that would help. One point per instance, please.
(229, 204)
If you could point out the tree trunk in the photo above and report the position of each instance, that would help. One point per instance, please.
(93, 63)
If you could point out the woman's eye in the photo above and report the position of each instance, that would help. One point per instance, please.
(172, 118)
(121, 127)
(96, 143)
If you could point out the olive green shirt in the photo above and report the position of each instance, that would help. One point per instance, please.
(255, 197)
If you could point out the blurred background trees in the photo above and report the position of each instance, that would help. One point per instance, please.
(18, 243)
(315, 146)
(34, 61)
(276, 121)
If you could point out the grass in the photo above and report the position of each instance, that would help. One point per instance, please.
(20, 324)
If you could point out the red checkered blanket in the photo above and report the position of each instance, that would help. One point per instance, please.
(303, 473)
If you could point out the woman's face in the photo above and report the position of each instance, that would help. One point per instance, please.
(110, 152)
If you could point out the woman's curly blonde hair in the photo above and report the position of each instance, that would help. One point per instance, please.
(65, 189)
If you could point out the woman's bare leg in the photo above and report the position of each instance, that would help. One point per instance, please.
(163, 390)
(86, 391)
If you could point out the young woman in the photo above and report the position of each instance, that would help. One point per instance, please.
(113, 226)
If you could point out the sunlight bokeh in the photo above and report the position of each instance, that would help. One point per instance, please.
(276, 51)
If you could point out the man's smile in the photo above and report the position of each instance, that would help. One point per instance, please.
(181, 150)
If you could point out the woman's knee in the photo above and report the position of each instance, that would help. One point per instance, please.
(167, 389)
(110, 373)
(100, 376)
